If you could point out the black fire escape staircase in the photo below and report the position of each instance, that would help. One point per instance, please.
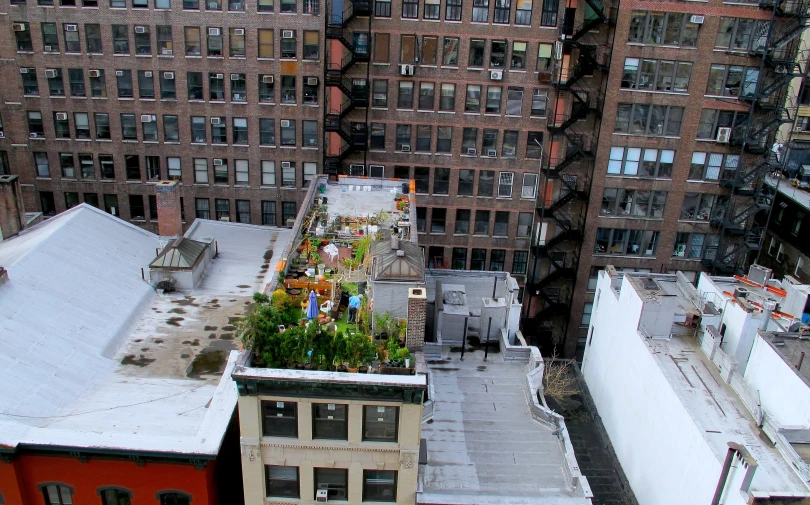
(767, 112)
(354, 134)
(576, 137)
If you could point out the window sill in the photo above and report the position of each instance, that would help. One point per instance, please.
(268, 147)
(677, 93)
(447, 112)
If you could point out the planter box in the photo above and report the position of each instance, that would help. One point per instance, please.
(395, 370)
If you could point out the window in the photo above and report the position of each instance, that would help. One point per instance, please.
(146, 84)
(309, 133)
(509, 143)
(214, 41)
(626, 242)
(587, 309)
(633, 203)
(288, 44)
(287, 132)
(220, 171)
(497, 55)
(282, 481)
(56, 494)
(312, 7)
(501, 228)
(107, 166)
(267, 89)
(67, 165)
(496, 260)
(87, 168)
(378, 136)
(198, 130)
(175, 171)
(523, 14)
(123, 80)
(524, 227)
(311, 45)
(380, 423)
(629, 161)
(444, 139)
(430, 46)
(548, 16)
(216, 87)
(423, 138)
(219, 130)
(486, 182)
(462, 222)
(739, 34)
(656, 75)
(35, 126)
(268, 173)
(379, 95)
(240, 131)
(50, 39)
(29, 80)
(41, 162)
(702, 207)
(334, 480)
(288, 89)
(518, 60)
(505, 184)
(664, 28)
(102, 125)
(203, 208)
(438, 219)
(265, 43)
(288, 6)
(732, 80)
(380, 485)
(410, 9)
(82, 122)
(267, 132)
(71, 200)
(56, 84)
(143, 40)
(330, 421)
(473, 102)
(193, 41)
(544, 57)
(711, 120)
(478, 259)
(174, 498)
(128, 129)
(441, 181)
(120, 35)
(236, 42)
(520, 261)
(223, 208)
(404, 139)
(476, 56)
(92, 37)
(380, 51)
(534, 145)
(480, 13)
(280, 419)
(136, 209)
(132, 166)
(61, 126)
(382, 8)
(23, 38)
(268, 213)
(165, 44)
(288, 211)
(426, 95)
(195, 85)
(432, 9)
(466, 181)
(645, 119)
(503, 11)
(529, 188)
(288, 175)
(310, 171)
(98, 86)
(689, 245)
(71, 33)
(167, 87)
(707, 166)
(190, 4)
(200, 170)
(538, 103)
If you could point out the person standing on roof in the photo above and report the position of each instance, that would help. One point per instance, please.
(354, 304)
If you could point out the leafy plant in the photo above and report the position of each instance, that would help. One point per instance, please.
(402, 353)
(360, 349)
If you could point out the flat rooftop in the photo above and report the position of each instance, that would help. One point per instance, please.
(149, 378)
(714, 406)
(483, 445)
(353, 197)
(800, 196)
(793, 349)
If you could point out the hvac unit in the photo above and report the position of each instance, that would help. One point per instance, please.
(471, 151)
(238, 31)
(235, 77)
(218, 162)
(18, 27)
(406, 69)
(213, 6)
(796, 128)
(61, 116)
(698, 20)
(166, 52)
(759, 274)
(113, 211)
(268, 79)
(219, 76)
(35, 135)
(48, 49)
(287, 34)
(148, 73)
(213, 32)
(406, 148)
(496, 75)
(23, 70)
(119, 73)
(147, 118)
(71, 28)
(168, 76)
(322, 495)
(140, 29)
(215, 120)
(492, 153)
(723, 135)
(2, 135)
(312, 81)
(285, 123)
(94, 73)
(50, 73)
(286, 164)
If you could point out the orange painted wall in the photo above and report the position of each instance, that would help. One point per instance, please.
(20, 478)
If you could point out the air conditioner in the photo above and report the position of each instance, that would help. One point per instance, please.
(140, 29)
(214, 32)
(267, 79)
(113, 211)
(2, 135)
(23, 70)
(406, 69)
(34, 135)
(50, 74)
(492, 153)
(18, 27)
(214, 5)
(148, 73)
(119, 73)
(496, 75)
(322, 495)
(698, 20)
(94, 73)
(71, 28)
(235, 77)
(48, 49)
(169, 76)
(797, 128)
(146, 118)
(405, 148)
(218, 162)
(287, 34)
(285, 123)
(471, 151)
(286, 164)
(61, 116)
(219, 76)
(312, 81)
(166, 52)
(238, 31)
(215, 120)
(723, 135)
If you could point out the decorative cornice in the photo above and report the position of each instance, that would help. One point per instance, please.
(323, 389)
(330, 448)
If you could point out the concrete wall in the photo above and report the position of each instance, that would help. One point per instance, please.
(306, 453)
(741, 326)
(662, 452)
(784, 396)
(392, 297)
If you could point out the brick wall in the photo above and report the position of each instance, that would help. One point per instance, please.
(415, 332)
(168, 206)
(12, 211)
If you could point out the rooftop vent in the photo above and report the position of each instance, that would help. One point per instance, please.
(650, 284)
(740, 293)
(400, 253)
(417, 292)
(760, 275)
(394, 242)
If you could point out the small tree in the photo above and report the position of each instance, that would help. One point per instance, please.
(558, 381)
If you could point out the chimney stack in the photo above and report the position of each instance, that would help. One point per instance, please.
(394, 242)
(417, 317)
(12, 212)
(170, 223)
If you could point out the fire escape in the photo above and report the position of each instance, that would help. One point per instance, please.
(345, 129)
(728, 251)
(582, 60)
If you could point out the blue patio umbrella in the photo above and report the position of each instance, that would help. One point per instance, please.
(312, 308)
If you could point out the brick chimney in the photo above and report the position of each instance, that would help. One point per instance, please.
(12, 212)
(170, 223)
(417, 306)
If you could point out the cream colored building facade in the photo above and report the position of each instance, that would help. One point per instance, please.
(355, 437)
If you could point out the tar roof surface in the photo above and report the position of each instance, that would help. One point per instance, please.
(483, 446)
(350, 198)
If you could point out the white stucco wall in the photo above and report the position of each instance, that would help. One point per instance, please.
(784, 396)
(661, 450)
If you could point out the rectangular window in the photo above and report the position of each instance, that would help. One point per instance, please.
(107, 166)
(444, 139)
(61, 126)
(146, 84)
(120, 35)
(462, 222)
(689, 245)
(193, 41)
(71, 32)
(92, 36)
(150, 133)
(82, 122)
(486, 183)
(265, 5)
(143, 40)
(663, 28)
(168, 91)
(739, 34)
(481, 222)
(503, 12)
(476, 56)
(629, 161)
(268, 173)
(56, 83)
(501, 228)
(421, 176)
(123, 80)
(478, 259)
(265, 43)
(480, 13)
(523, 14)
(132, 167)
(441, 181)
(505, 180)
(645, 119)
(223, 209)
(466, 181)
(23, 38)
(626, 242)
(426, 95)
(548, 17)
(377, 136)
(656, 75)
(87, 167)
(29, 80)
(382, 8)
(452, 11)
(334, 480)
(279, 419)
(267, 132)
(473, 102)
(711, 120)
(288, 89)
(236, 42)
(203, 208)
(267, 89)
(66, 163)
(201, 170)
(282, 481)
(102, 121)
(288, 132)
(311, 45)
(194, 85)
(35, 125)
(380, 485)
(240, 131)
(330, 421)
(459, 258)
(509, 149)
(538, 103)
(309, 133)
(380, 423)
(288, 211)
(403, 140)
(587, 309)
(268, 213)
(497, 257)
(214, 41)
(497, 55)
(174, 168)
(41, 162)
(288, 175)
(129, 130)
(430, 47)
(289, 44)
(50, 39)
(410, 9)
(165, 44)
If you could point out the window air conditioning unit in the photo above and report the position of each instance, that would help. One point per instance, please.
(215, 120)
(119, 73)
(218, 162)
(146, 118)
(148, 73)
(213, 32)
(322, 495)
(167, 52)
(796, 128)
(113, 211)
(285, 123)
(286, 164)
(238, 31)
(723, 135)
(168, 76)
(406, 69)
(496, 75)
(34, 135)
(492, 153)
(698, 20)
(219, 76)
(18, 27)
(312, 81)
(213, 5)
(50, 74)
(61, 116)
(406, 148)
(71, 28)
(235, 77)
(48, 49)
(267, 79)
(94, 73)
(2, 135)
(23, 70)
(140, 29)
(287, 34)
(471, 151)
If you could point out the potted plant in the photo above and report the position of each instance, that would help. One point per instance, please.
(360, 350)
(404, 355)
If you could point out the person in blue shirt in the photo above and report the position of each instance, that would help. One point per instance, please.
(354, 304)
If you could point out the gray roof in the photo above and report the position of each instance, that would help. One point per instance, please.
(183, 253)
(391, 266)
